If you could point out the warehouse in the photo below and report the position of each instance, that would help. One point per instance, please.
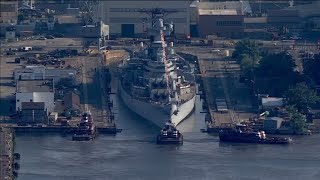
(8, 11)
(131, 18)
(227, 23)
(38, 93)
(42, 72)
(222, 18)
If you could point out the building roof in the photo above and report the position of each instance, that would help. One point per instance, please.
(63, 73)
(255, 20)
(67, 19)
(34, 86)
(274, 119)
(272, 102)
(194, 4)
(240, 6)
(218, 12)
(49, 72)
(32, 105)
(262, 6)
(72, 100)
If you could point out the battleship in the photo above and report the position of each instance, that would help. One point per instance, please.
(156, 83)
(86, 129)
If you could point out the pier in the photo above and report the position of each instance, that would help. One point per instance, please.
(110, 129)
(225, 100)
(8, 158)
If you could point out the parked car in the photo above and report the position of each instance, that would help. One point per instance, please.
(10, 53)
(23, 123)
(41, 38)
(58, 35)
(295, 38)
(49, 37)
(17, 60)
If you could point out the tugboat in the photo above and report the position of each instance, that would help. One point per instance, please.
(86, 129)
(169, 135)
(250, 136)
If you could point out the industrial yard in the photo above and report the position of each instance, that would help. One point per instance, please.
(78, 75)
(207, 75)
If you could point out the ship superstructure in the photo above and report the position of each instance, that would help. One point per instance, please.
(158, 84)
(86, 129)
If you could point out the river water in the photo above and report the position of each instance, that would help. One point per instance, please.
(133, 155)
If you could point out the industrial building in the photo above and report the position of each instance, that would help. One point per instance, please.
(284, 17)
(35, 99)
(132, 18)
(271, 102)
(72, 104)
(221, 19)
(42, 73)
(100, 30)
(8, 11)
(271, 124)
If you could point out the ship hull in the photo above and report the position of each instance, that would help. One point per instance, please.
(156, 113)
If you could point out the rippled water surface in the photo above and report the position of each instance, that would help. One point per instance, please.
(134, 155)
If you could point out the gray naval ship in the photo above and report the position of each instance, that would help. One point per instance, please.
(156, 83)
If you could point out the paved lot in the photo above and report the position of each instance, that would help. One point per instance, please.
(7, 67)
(48, 43)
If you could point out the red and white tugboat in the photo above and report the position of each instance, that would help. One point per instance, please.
(86, 129)
(169, 135)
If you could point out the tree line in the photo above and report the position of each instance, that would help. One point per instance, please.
(275, 74)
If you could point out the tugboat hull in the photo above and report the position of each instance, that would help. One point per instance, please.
(83, 137)
(242, 137)
(86, 130)
(170, 140)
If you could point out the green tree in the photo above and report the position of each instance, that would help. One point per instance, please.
(283, 31)
(246, 62)
(247, 49)
(277, 65)
(301, 97)
(275, 73)
(311, 68)
(297, 120)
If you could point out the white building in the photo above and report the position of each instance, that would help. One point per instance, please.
(129, 18)
(41, 73)
(271, 102)
(35, 91)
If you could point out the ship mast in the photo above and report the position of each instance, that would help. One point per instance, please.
(164, 60)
